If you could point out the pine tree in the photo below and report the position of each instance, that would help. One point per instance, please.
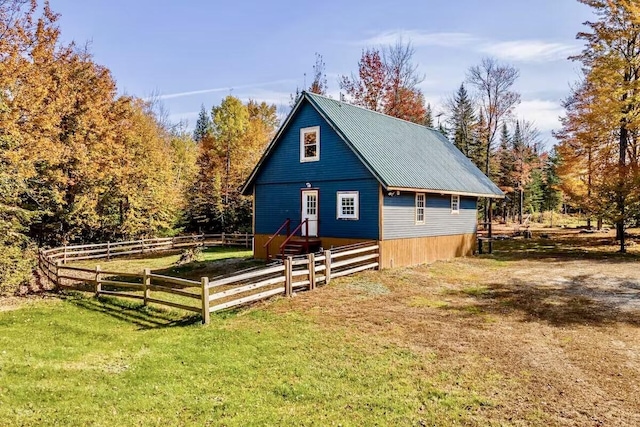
(428, 116)
(203, 125)
(462, 119)
(551, 195)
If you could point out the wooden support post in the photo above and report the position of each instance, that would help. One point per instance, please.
(146, 283)
(57, 276)
(142, 245)
(490, 226)
(288, 277)
(206, 314)
(64, 256)
(327, 266)
(108, 251)
(246, 240)
(312, 271)
(222, 238)
(98, 286)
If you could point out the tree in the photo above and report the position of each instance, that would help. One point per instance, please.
(387, 82)
(367, 88)
(493, 82)
(319, 83)
(462, 119)
(610, 58)
(203, 125)
(428, 116)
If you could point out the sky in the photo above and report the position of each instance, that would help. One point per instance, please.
(191, 53)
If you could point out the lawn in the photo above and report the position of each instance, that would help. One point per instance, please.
(543, 332)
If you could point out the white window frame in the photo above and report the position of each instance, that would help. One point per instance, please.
(422, 208)
(303, 131)
(341, 195)
(455, 206)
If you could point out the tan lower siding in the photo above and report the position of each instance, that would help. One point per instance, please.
(259, 252)
(420, 250)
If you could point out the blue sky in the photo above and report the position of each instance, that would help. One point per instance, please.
(195, 52)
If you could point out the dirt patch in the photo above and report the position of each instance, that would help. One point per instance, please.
(550, 336)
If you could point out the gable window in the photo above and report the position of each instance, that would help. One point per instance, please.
(420, 207)
(348, 205)
(310, 144)
(455, 204)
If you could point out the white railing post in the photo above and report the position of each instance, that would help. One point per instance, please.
(206, 314)
(288, 277)
(312, 271)
(327, 267)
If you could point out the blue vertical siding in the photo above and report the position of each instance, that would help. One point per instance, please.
(282, 177)
(399, 217)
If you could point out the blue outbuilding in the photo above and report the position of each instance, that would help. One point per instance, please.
(337, 174)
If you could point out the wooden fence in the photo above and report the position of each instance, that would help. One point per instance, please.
(208, 295)
(144, 246)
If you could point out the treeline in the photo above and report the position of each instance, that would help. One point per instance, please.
(480, 122)
(81, 163)
(599, 143)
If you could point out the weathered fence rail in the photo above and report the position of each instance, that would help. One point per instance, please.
(207, 295)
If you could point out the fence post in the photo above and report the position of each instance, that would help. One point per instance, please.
(206, 314)
(142, 245)
(222, 238)
(312, 271)
(57, 283)
(288, 278)
(108, 251)
(98, 283)
(327, 267)
(246, 240)
(146, 283)
(64, 256)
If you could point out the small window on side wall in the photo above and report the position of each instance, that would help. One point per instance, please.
(310, 144)
(348, 205)
(420, 208)
(455, 204)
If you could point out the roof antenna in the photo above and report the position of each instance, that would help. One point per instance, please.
(305, 81)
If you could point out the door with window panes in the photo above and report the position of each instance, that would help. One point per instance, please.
(310, 212)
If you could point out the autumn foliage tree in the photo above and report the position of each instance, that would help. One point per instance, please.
(387, 81)
(599, 139)
(78, 162)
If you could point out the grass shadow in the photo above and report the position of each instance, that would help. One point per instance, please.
(575, 301)
(560, 247)
(145, 317)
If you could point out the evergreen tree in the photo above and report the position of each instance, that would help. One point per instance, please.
(462, 120)
(428, 116)
(203, 125)
(551, 195)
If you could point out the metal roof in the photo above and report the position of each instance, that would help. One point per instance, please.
(400, 154)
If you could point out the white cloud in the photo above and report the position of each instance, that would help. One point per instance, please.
(529, 50)
(421, 38)
(510, 50)
(544, 114)
(222, 89)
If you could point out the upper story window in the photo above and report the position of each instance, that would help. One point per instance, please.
(310, 144)
(455, 203)
(348, 205)
(420, 208)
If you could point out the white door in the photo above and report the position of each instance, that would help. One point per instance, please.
(310, 212)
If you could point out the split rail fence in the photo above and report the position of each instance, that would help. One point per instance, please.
(208, 295)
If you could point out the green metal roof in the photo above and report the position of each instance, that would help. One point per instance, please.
(400, 154)
(403, 154)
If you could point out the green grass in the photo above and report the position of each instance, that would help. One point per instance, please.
(211, 262)
(82, 361)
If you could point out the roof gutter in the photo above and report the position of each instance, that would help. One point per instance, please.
(443, 192)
